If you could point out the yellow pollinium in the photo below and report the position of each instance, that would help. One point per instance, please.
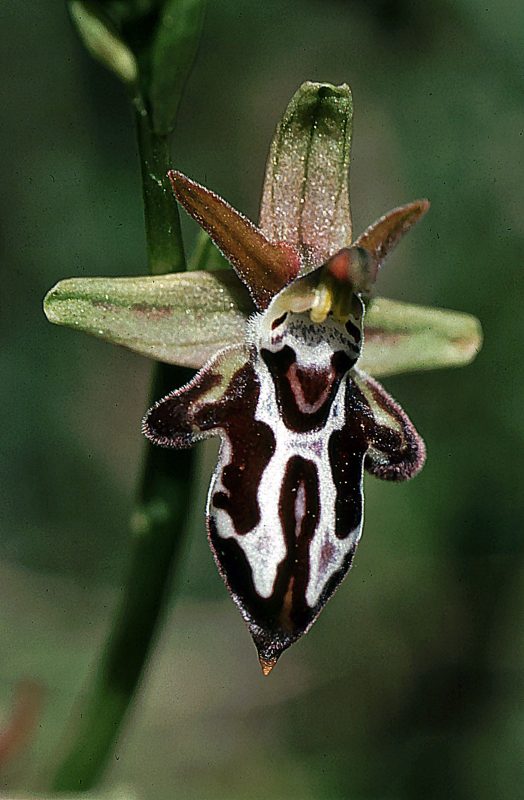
(322, 303)
(331, 296)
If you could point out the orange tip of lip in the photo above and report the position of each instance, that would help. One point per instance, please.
(267, 665)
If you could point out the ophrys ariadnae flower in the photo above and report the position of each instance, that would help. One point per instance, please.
(284, 369)
(298, 420)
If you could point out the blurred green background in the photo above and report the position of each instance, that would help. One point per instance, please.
(411, 683)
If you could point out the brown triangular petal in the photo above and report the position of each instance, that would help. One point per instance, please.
(384, 234)
(265, 267)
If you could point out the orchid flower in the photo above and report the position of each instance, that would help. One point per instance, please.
(286, 366)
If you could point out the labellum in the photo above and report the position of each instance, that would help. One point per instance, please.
(299, 421)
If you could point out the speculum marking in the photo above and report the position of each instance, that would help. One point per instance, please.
(304, 395)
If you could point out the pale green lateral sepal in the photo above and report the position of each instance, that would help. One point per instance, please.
(185, 318)
(182, 318)
(401, 337)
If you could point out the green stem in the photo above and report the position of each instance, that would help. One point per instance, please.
(157, 523)
(162, 220)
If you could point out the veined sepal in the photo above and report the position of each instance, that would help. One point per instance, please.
(186, 318)
(312, 139)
